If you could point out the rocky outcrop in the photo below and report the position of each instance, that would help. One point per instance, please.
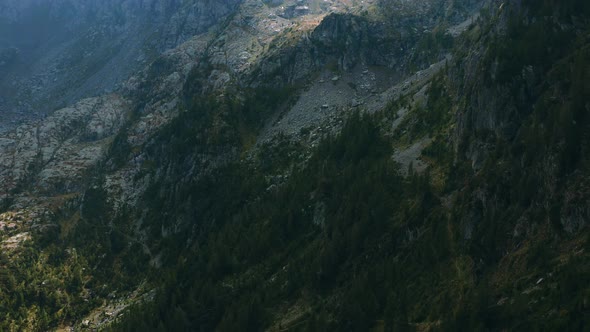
(56, 153)
(343, 40)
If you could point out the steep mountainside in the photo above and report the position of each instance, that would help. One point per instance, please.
(315, 165)
(53, 53)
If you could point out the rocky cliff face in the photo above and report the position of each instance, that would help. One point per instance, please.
(514, 103)
(393, 38)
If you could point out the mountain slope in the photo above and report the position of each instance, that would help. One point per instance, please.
(338, 240)
(53, 53)
(301, 179)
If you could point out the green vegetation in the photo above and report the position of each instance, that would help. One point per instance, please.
(386, 254)
(334, 238)
(59, 276)
(348, 244)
